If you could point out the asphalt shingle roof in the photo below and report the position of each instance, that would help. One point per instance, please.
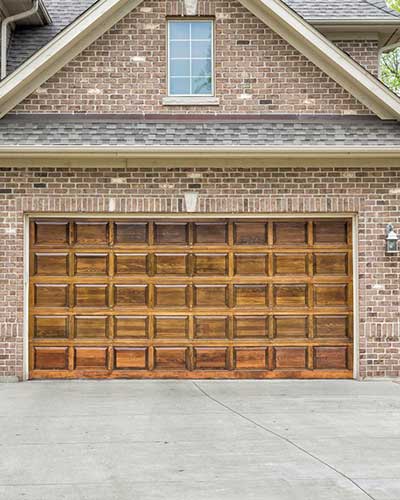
(26, 41)
(124, 131)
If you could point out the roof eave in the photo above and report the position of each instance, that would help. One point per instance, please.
(210, 151)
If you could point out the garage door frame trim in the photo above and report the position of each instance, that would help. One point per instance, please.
(355, 251)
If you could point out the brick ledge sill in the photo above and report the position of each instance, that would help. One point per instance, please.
(190, 101)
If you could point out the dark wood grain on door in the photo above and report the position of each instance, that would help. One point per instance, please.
(196, 298)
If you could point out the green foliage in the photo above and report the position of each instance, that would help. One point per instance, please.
(390, 69)
(394, 4)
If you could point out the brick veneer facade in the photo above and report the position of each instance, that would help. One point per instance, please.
(258, 186)
(124, 71)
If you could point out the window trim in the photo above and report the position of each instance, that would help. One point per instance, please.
(191, 20)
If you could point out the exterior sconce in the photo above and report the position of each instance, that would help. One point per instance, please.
(392, 239)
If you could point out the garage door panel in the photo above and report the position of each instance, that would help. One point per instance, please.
(250, 233)
(51, 233)
(91, 295)
(187, 298)
(51, 295)
(91, 327)
(87, 264)
(171, 264)
(246, 327)
(51, 358)
(50, 327)
(91, 233)
(91, 358)
(171, 327)
(130, 264)
(251, 358)
(131, 233)
(210, 233)
(51, 264)
(126, 327)
(171, 296)
(130, 295)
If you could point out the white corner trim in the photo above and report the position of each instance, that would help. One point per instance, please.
(190, 101)
(327, 56)
(63, 48)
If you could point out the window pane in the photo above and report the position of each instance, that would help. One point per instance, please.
(180, 67)
(201, 31)
(179, 49)
(201, 67)
(179, 30)
(201, 49)
(201, 86)
(180, 86)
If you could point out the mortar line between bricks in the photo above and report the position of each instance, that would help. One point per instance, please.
(287, 440)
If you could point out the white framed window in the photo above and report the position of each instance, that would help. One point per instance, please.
(190, 58)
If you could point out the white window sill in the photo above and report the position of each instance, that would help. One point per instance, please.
(190, 101)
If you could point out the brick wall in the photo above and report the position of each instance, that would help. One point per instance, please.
(124, 71)
(365, 52)
(224, 187)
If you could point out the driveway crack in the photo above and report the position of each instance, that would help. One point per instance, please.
(287, 440)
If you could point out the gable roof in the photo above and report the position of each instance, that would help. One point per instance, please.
(25, 42)
(360, 10)
(103, 14)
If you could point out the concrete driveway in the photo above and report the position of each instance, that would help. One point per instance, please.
(208, 440)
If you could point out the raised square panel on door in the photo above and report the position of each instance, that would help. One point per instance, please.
(91, 357)
(210, 233)
(51, 295)
(250, 233)
(210, 358)
(51, 358)
(50, 327)
(250, 358)
(91, 295)
(171, 263)
(171, 233)
(330, 295)
(330, 358)
(210, 264)
(130, 295)
(288, 358)
(290, 327)
(290, 264)
(130, 263)
(330, 232)
(170, 358)
(171, 327)
(251, 264)
(131, 233)
(290, 295)
(247, 327)
(130, 327)
(51, 233)
(91, 327)
(170, 295)
(211, 295)
(290, 233)
(250, 295)
(51, 264)
(130, 358)
(91, 233)
(88, 264)
(331, 326)
(330, 264)
(210, 327)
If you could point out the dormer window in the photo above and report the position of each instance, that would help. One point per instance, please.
(190, 58)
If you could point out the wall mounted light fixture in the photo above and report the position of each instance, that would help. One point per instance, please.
(392, 239)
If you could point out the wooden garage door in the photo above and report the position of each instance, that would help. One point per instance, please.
(191, 298)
